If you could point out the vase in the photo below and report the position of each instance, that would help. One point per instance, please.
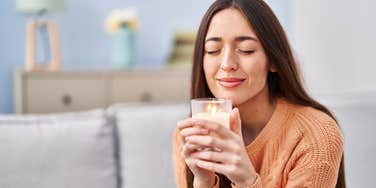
(123, 52)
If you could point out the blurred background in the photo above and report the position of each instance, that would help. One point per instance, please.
(332, 40)
(85, 43)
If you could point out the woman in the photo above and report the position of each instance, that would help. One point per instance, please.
(279, 136)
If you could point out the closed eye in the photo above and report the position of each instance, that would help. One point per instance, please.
(247, 52)
(212, 52)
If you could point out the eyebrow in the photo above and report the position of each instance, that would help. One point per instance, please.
(243, 38)
(237, 39)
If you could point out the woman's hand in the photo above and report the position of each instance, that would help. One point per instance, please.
(202, 177)
(229, 156)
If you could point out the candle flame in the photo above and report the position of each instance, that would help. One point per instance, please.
(212, 108)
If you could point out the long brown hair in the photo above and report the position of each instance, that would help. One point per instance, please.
(286, 82)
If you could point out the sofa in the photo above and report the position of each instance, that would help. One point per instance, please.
(124, 146)
(129, 146)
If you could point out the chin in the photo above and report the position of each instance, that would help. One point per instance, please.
(236, 102)
(235, 99)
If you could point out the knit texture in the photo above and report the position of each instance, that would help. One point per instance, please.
(299, 147)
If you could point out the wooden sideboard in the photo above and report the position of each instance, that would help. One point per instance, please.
(64, 91)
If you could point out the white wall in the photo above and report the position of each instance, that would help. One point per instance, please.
(335, 43)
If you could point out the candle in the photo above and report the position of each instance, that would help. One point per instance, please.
(221, 118)
(211, 109)
(217, 110)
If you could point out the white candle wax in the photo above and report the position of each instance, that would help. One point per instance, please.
(222, 118)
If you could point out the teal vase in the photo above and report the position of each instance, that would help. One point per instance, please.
(123, 52)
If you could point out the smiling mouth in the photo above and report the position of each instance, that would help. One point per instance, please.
(230, 82)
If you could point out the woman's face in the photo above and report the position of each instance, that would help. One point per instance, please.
(234, 61)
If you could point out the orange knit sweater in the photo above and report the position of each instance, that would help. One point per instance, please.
(298, 147)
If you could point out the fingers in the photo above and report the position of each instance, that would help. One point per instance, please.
(189, 148)
(214, 167)
(189, 131)
(207, 141)
(211, 155)
(219, 129)
(185, 123)
(235, 122)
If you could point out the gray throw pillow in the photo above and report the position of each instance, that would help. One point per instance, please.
(145, 135)
(72, 150)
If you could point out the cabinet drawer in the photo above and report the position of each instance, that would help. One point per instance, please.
(154, 89)
(62, 95)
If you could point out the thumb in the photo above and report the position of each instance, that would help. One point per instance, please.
(235, 122)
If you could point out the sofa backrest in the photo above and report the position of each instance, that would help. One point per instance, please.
(129, 146)
(357, 121)
(60, 150)
(126, 146)
(145, 143)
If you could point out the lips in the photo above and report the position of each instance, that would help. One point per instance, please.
(230, 82)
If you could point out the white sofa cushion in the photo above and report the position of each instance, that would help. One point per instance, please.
(62, 150)
(145, 135)
(357, 121)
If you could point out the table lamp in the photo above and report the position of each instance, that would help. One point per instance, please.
(48, 30)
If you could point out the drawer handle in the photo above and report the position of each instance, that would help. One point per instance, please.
(146, 97)
(67, 100)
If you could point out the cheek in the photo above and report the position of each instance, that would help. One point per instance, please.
(210, 69)
(257, 72)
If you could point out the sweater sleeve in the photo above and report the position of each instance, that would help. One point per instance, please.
(318, 159)
(179, 163)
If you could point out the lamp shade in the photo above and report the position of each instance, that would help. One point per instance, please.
(37, 6)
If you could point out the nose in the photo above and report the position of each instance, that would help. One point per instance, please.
(229, 60)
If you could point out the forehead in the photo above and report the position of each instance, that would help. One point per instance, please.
(229, 22)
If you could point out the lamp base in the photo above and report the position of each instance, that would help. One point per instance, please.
(54, 62)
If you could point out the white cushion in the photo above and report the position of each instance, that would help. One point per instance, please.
(59, 150)
(145, 135)
(357, 121)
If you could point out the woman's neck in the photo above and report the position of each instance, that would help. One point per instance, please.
(255, 114)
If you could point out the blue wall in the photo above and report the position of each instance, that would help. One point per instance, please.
(86, 45)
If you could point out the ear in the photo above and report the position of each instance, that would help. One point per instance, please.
(272, 68)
